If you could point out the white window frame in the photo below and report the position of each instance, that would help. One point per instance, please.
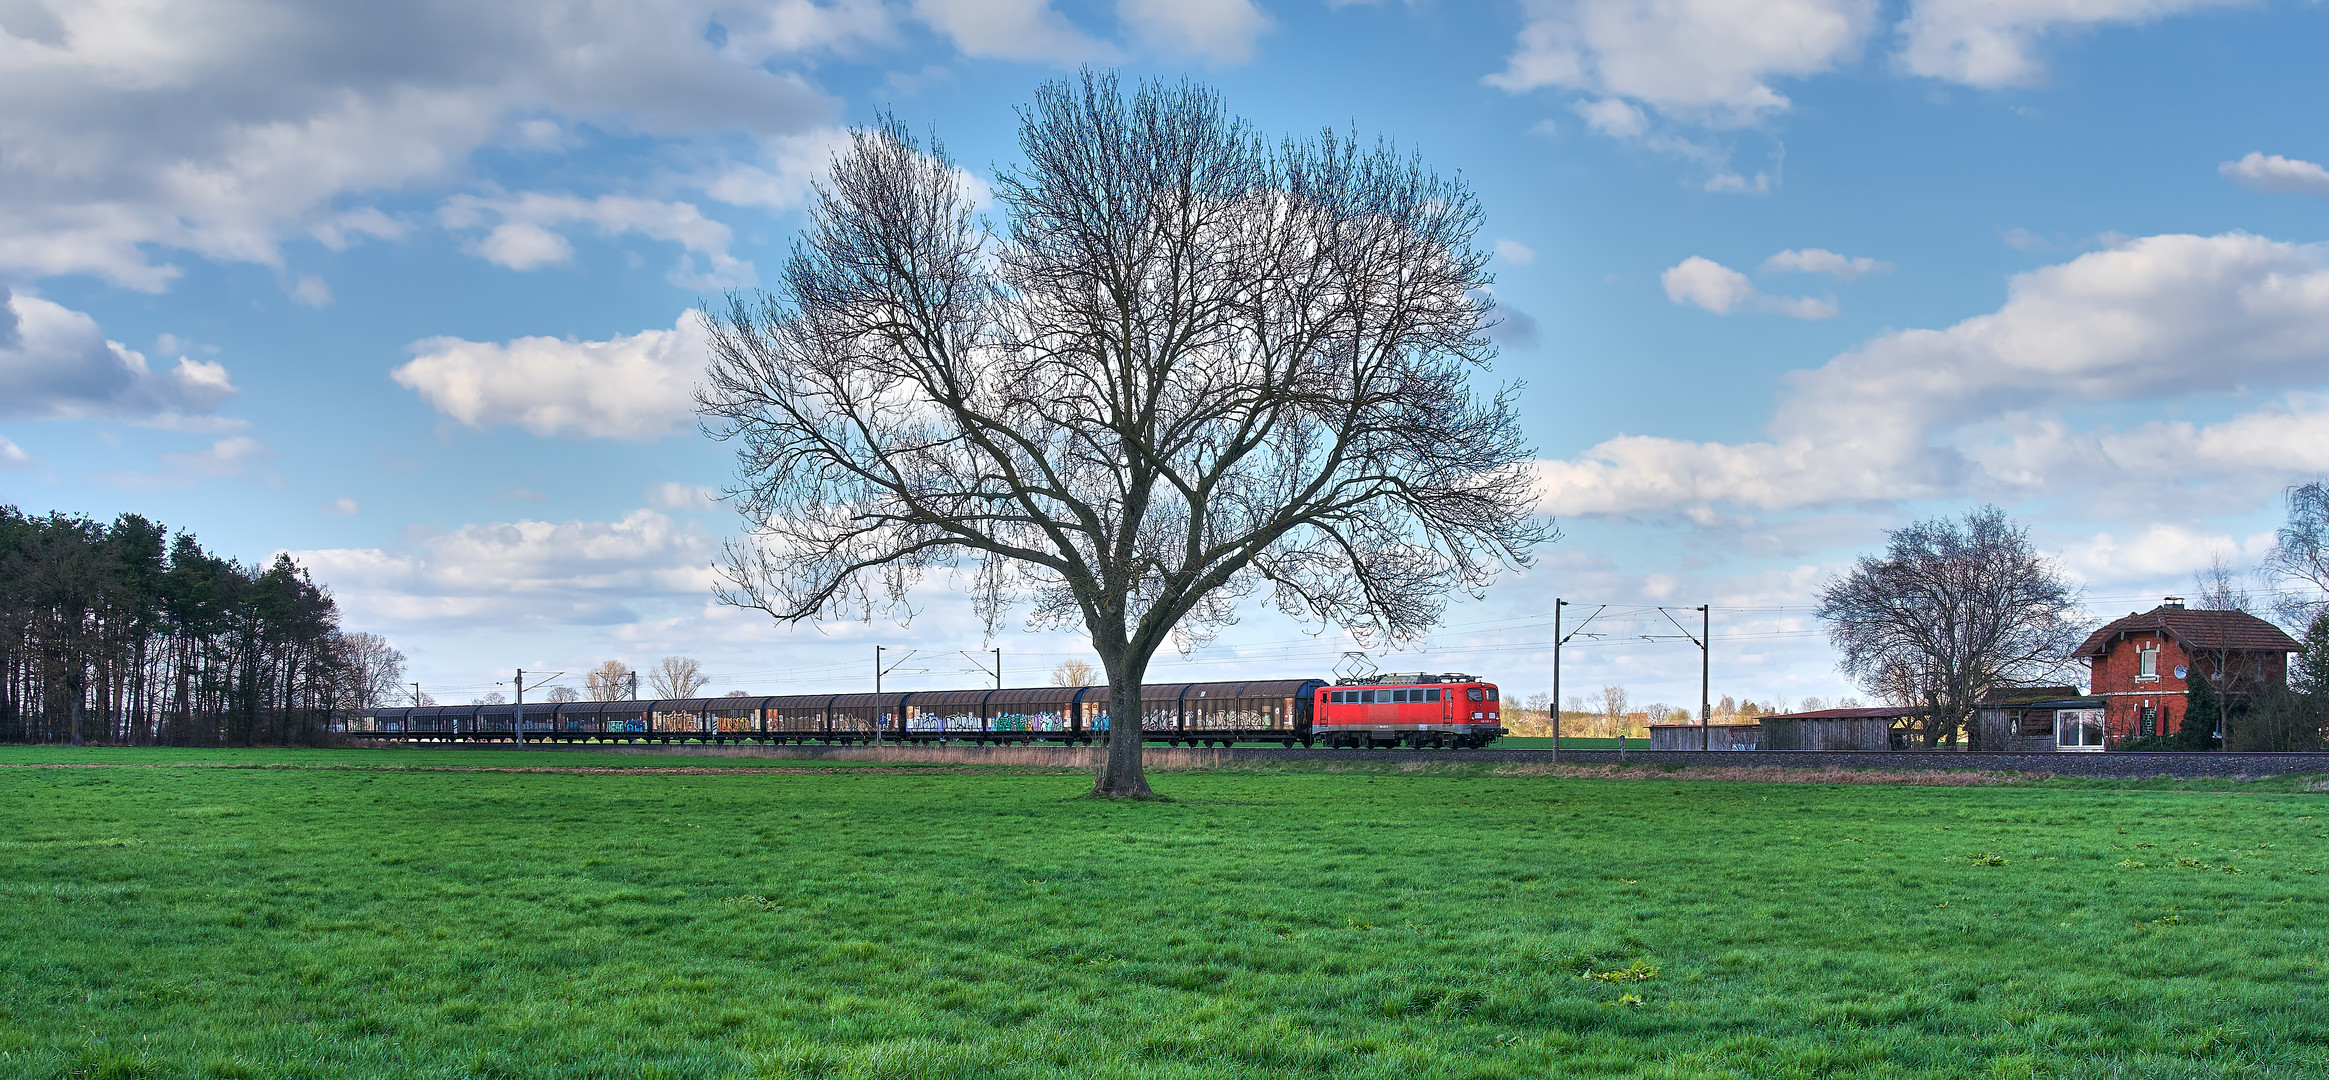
(2085, 722)
(2147, 663)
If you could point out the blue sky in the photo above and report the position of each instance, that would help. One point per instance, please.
(405, 292)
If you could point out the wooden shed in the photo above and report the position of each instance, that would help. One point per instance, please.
(1709, 737)
(1882, 728)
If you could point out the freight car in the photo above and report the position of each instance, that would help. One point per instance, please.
(1452, 710)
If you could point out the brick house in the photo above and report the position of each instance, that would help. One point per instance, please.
(2141, 665)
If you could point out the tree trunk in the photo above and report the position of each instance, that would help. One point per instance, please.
(1121, 777)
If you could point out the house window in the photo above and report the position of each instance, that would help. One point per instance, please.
(2147, 662)
(2078, 729)
(2147, 721)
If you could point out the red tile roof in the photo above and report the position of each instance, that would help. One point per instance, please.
(2195, 629)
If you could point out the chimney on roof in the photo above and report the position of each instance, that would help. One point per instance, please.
(2174, 602)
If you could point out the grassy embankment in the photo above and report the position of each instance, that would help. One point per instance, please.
(902, 922)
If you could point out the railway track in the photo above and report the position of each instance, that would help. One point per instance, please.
(2116, 764)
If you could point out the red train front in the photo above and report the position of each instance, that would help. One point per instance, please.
(1411, 710)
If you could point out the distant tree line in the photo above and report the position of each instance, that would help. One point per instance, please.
(127, 633)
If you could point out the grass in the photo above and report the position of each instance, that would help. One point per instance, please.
(1287, 921)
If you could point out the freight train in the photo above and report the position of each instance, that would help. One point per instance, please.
(1417, 710)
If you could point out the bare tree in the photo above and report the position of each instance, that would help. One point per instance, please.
(610, 681)
(492, 697)
(1613, 705)
(1811, 704)
(563, 693)
(1192, 366)
(375, 669)
(676, 677)
(1074, 673)
(1952, 609)
(2220, 588)
(2299, 560)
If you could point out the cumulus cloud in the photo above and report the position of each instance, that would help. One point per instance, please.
(1988, 44)
(1515, 252)
(1707, 61)
(672, 495)
(2163, 317)
(218, 127)
(1717, 288)
(56, 364)
(638, 387)
(1218, 30)
(523, 237)
(342, 506)
(2163, 550)
(1823, 261)
(2278, 175)
(1011, 30)
(13, 457)
(519, 572)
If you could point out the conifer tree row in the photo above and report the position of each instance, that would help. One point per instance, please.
(126, 633)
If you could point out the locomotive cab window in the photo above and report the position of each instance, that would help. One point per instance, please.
(1491, 693)
(1473, 693)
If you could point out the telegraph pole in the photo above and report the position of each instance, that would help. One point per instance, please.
(1560, 639)
(1705, 665)
(1558, 604)
(878, 672)
(519, 724)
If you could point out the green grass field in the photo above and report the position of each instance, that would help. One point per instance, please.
(1286, 921)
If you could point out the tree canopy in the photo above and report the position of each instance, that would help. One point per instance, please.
(1949, 611)
(1191, 366)
(126, 633)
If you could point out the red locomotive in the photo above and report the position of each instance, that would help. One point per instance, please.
(1415, 710)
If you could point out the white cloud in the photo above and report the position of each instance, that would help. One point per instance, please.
(671, 495)
(341, 231)
(2163, 317)
(218, 127)
(2162, 551)
(638, 387)
(510, 573)
(1708, 61)
(1612, 117)
(1515, 252)
(2277, 174)
(788, 164)
(56, 363)
(1011, 30)
(1219, 30)
(312, 291)
(1985, 43)
(1823, 261)
(521, 237)
(13, 457)
(224, 457)
(1720, 289)
(342, 506)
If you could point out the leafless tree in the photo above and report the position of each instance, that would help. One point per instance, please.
(492, 697)
(563, 693)
(1811, 704)
(610, 681)
(1613, 704)
(1191, 366)
(1952, 609)
(1074, 673)
(2220, 588)
(375, 669)
(676, 677)
(2299, 560)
